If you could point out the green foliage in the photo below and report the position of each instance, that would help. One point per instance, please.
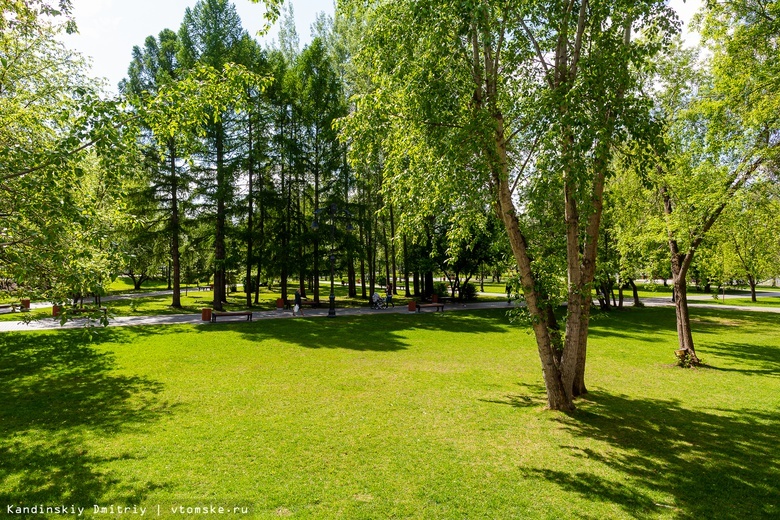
(64, 157)
(440, 289)
(468, 291)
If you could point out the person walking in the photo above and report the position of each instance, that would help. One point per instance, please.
(297, 308)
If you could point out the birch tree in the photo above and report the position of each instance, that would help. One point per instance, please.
(491, 98)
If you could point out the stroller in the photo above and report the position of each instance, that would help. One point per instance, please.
(377, 302)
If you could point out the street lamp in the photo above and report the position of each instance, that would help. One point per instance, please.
(333, 211)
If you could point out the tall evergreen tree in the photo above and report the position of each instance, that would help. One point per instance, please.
(154, 67)
(211, 35)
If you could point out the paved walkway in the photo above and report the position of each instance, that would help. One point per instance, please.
(114, 297)
(194, 319)
(694, 301)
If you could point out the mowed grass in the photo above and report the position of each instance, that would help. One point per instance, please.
(395, 416)
(761, 301)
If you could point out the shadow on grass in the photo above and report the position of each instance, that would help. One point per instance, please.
(380, 333)
(532, 396)
(639, 324)
(704, 463)
(56, 391)
(710, 329)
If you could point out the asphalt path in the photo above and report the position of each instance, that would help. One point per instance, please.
(694, 301)
(195, 319)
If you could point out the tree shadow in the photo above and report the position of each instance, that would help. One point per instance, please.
(532, 396)
(640, 324)
(56, 391)
(765, 358)
(379, 333)
(712, 463)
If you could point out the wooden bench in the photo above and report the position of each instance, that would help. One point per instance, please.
(12, 306)
(215, 314)
(437, 306)
(82, 310)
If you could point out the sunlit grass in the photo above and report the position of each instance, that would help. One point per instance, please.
(421, 416)
(761, 301)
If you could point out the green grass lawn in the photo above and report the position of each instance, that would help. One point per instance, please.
(407, 416)
(761, 301)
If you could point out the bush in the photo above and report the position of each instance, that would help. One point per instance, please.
(468, 291)
(440, 289)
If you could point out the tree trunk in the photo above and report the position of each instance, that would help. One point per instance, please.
(175, 229)
(407, 293)
(363, 249)
(635, 291)
(559, 395)
(752, 281)
(680, 263)
(684, 333)
(219, 239)
(388, 281)
(260, 190)
(249, 229)
(392, 251)
(316, 267)
(352, 288)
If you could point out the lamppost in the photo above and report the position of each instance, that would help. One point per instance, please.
(333, 211)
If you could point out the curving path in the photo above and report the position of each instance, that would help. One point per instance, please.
(194, 319)
(694, 301)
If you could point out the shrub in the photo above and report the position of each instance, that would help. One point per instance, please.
(468, 291)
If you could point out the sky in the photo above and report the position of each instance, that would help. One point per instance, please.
(108, 29)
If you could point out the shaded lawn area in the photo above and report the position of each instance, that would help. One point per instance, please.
(422, 416)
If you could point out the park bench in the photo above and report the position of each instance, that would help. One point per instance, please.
(12, 306)
(216, 314)
(83, 310)
(437, 306)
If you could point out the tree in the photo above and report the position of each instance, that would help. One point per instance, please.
(721, 131)
(152, 69)
(465, 93)
(211, 35)
(748, 243)
(319, 103)
(62, 158)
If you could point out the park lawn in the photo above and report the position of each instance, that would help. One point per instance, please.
(411, 416)
(494, 288)
(124, 284)
(761, 301)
